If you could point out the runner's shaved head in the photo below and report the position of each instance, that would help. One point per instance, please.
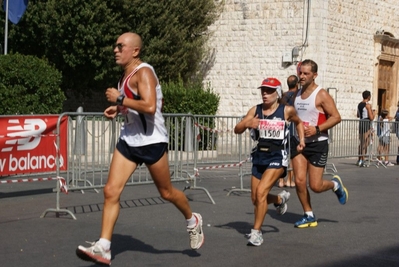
(132, 39)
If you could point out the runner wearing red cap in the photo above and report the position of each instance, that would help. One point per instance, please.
(268, 123)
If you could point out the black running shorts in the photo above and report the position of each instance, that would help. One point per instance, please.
(315, 152)
(149, 154)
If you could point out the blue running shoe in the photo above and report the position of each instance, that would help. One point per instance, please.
(306, 221)
(341, 191)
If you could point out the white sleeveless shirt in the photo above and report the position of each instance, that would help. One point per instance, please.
(142, 129)
(310, 115)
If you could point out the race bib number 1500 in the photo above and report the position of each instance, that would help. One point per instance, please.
(271, 129)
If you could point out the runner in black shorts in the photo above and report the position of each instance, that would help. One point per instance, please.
(148, 154)
(143, 139)
(317, 110)
(268, 124)
(316, 153)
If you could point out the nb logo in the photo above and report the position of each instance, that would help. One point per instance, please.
(24, 136)
(274, 164)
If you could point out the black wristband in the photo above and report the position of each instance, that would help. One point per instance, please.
(119, 100)
(317, 130)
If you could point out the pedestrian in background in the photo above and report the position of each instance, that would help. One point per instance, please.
(385, 137)
(397, 132)
(366, 116)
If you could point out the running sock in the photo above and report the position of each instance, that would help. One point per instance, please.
(335, 185)
(106, 244)
(309, 213)
(192, 222)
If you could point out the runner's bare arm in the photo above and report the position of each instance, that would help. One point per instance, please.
(249, 121)
(144, 82)
(327, 104)
(291, 115)
(111, 112)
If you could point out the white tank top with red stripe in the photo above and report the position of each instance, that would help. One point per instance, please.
(310, 115)
(142, 129)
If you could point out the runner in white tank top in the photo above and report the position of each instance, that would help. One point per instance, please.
(143, 139)
(310, 115)
(317, 110)
(142, 129)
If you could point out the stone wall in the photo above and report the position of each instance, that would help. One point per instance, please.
(250, 38)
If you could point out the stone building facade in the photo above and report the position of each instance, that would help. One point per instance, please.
(355, 44)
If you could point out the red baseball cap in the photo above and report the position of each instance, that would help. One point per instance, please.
(272, 83)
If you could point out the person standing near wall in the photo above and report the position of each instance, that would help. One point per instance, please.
(268, 123)
(385, 137)
(317, 110)
(397, 132)
(143, 139)
(366, 116)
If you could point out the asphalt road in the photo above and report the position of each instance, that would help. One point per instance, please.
(151, 232)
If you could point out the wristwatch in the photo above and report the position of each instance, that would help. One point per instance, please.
(119, 100)
(317, 130)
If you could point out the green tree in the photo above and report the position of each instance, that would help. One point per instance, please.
(77, 37)
(29, 85)
(191, 98)
(195, 99)
(175, 32)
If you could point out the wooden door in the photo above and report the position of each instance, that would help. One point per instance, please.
(384, 84)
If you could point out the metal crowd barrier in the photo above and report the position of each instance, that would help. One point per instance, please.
(345, 142)
(93, 141)
(197, 143)
(218, 144)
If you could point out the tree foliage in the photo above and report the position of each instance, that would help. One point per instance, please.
(73, 35)
(190, 98)
(29, 85)
(77, 36)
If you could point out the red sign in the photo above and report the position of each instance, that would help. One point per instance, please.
(28, 144)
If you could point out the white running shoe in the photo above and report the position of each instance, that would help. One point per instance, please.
(255, 238)
(282, 207)
(95, 253)
(196, 233)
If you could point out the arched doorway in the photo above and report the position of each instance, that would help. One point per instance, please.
(386, 81)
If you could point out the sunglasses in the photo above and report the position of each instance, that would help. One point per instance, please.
(268, 90)
(119, 46)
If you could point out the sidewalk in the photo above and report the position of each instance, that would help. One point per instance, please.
(151, 232)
